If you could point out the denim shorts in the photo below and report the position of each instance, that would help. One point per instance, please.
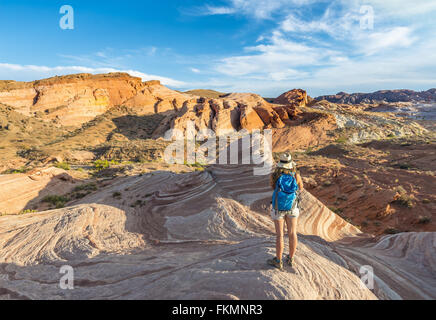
(277, 214)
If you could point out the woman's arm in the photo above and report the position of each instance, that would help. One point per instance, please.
(299, 181)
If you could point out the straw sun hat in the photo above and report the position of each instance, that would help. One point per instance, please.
(285, 161)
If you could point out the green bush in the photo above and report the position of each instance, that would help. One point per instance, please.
(86, 187)
(57, 201)
(391, 231)
(27, 211)
(13, 171)
(103, 164)
(341, 140)
(327, 183)
(424, 220)
(62, 165)
(336, 210)
(403, 198)
(404, 166)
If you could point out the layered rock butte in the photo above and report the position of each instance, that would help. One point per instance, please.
(196, 235)
(76, 99)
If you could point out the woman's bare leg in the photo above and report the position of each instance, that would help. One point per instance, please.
(279, 238)
(292, 233)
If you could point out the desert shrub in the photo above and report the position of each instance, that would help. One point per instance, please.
(19, 170)
(195, 164)
(83, 190)
(336, 210)
(57, 201)
(86, 187)
(138, 203)
(80, 195)
(62, 165)
(116, 194)
(103, 164)
(391, 231)
(27, 211)
(400, 189)
(403, 198)
(404, 166)
(341, 140)
(424, 220)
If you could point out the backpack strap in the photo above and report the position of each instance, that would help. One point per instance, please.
(276, 191)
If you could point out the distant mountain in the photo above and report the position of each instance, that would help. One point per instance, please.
(403, 95)
(211, 94)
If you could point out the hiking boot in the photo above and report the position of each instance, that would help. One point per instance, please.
(289, 260)
(276, 263)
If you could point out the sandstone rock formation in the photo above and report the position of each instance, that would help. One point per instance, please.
(73, 99)
(294, 98)
(206, 234)
(76, 99)
(203, 235)
(250, 119)
(19, 191)
(313, 131)
(228, 114)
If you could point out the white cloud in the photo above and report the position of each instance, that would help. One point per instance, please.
(195, 70)
(210, 10)
(336, 22)
(276, 60)
(330, 51)
(398, 37)
(402, 8)
(411, 69)
(259, 9)
(34, 72)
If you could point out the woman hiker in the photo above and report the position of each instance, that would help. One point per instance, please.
(287, 183)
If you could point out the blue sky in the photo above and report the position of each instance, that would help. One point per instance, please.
(262, 46)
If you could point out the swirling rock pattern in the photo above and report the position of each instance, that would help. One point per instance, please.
(201, 235)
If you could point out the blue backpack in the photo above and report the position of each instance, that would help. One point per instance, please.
(285, 192)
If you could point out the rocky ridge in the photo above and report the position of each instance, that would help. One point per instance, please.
(382, 96)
